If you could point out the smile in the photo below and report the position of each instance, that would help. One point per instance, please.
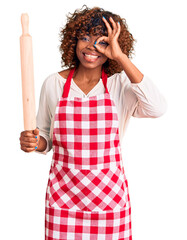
(90, 58)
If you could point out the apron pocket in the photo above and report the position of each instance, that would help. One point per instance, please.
(87, 190)
(107, 189)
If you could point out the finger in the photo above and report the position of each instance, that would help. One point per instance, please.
(107, 25)
(25, 149)
(29, 145)
(27, 134)
(118, 30)
(99, 48)
(36, 131)
(28, 139)
(113, 25)
(102, 38)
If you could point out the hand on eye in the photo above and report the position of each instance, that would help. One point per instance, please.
(108, 45)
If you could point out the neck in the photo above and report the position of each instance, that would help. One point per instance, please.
(83, 74)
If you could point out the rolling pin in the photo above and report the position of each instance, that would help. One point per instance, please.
(27, 75)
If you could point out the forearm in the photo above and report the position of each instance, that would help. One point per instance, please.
(134, 75)
(42, 144)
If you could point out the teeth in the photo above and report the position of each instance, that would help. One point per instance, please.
(91, 56)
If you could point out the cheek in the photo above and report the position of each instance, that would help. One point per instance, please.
(79, 48)
(104, 58)
(78, 45)
(77, 51)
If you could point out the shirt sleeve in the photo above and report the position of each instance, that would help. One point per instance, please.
(43, 119)
(150, 102)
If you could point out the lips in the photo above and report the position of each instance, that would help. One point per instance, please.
(91, 57)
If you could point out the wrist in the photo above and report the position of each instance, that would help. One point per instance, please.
(121, 58)
(42, 144)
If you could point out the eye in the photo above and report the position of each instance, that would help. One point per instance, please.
(103, 43)
(85, 38)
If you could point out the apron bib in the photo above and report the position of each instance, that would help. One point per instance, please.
(87, 194)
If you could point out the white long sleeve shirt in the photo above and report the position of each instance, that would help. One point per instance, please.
(142, 100)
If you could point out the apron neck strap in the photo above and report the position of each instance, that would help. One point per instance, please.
(68, 82)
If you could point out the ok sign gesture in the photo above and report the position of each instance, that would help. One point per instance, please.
(113, 50)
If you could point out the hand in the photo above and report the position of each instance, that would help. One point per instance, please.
(29, 140)
(113, 50)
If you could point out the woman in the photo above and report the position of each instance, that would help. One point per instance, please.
(83, 113)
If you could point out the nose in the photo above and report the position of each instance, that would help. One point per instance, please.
(91, 44)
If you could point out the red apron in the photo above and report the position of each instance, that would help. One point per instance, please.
(87, 194)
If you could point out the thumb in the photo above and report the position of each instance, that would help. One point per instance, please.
(99, 48)
(36, 131)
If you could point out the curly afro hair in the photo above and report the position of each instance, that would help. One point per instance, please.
(89, 21)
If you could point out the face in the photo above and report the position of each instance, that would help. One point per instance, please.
(87, 54)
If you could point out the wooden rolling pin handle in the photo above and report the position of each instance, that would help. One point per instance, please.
(27, 73)
(25, 24)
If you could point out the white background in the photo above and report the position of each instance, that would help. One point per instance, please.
(154, 150)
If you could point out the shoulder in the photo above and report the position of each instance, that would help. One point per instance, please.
(53, 84)
(119, 80)
(64, 74)
(49, 82)
(120, 87)
(55, 79)
(57, 75)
